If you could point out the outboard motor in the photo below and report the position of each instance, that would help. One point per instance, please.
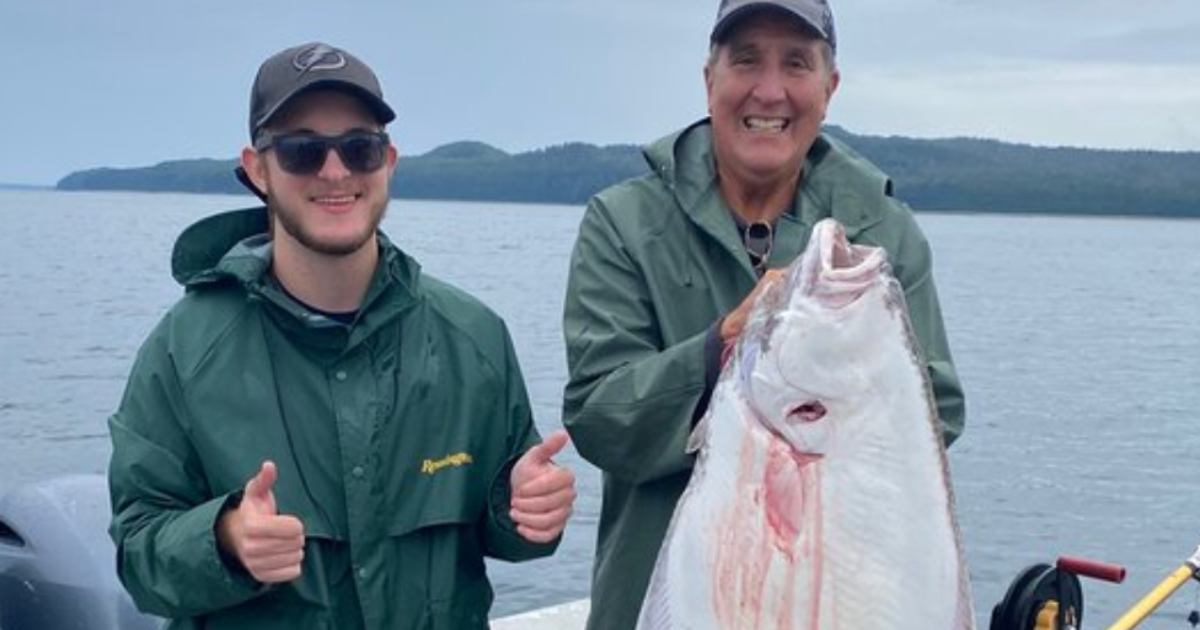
(57, 563)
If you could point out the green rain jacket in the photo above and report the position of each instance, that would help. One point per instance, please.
(657, 262)
(393, 437)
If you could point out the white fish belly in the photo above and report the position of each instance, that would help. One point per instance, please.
(857, 533)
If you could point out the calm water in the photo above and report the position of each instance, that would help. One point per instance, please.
(1078, 340)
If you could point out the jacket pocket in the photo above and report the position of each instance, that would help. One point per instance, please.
(439, 562)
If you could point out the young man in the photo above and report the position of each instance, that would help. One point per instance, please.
(317, 435)
(666, 267)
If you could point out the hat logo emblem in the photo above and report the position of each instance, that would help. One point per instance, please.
(319, 58)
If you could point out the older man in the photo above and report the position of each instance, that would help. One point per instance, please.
(667, 265)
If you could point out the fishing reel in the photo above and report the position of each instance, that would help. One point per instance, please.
(1044, 597)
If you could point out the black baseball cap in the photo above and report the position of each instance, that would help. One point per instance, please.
(300, 69)
(815, 13)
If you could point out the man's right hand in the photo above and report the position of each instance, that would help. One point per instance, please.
(270, 546)
(735, 321)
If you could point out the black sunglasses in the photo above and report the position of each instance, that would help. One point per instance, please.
(304, 153)
(759, 239)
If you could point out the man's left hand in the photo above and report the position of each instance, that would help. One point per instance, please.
(543, 493)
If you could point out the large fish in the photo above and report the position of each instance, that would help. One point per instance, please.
(821, 497)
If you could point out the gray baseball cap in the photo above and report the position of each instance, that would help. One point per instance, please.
(814, 13)
(292, 72)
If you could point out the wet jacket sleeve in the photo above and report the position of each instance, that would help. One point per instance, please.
(629, 401)
(163, 514)
(501, 539)
(913, 266)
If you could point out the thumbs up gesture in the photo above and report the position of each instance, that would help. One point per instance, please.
(269, 545)
(543, 493)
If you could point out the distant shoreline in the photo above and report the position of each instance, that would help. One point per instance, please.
(930, 175)
(4, 186)
(249, 201)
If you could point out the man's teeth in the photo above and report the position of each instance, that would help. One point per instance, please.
(766, 124)
(336, 200)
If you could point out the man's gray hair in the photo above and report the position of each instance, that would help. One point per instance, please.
(827, 55)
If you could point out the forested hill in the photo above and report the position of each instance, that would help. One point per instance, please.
(954, 174)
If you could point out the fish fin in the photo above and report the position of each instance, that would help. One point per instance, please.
(656, 608)
(699, 434)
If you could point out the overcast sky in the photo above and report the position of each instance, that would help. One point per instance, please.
(90, 83)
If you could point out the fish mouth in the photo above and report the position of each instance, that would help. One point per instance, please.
(839, 271)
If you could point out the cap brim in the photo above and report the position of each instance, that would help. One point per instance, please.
(382, 111)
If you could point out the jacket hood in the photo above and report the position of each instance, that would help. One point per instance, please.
(833, 173)
(236, 246)
(684, 161)
(200, 253)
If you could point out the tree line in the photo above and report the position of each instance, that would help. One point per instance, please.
(959, 174)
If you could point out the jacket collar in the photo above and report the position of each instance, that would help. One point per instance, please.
(234, 247)
(835, 177)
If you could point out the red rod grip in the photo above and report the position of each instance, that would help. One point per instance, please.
(1092, 569)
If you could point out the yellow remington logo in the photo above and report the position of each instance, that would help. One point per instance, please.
(432, 466)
